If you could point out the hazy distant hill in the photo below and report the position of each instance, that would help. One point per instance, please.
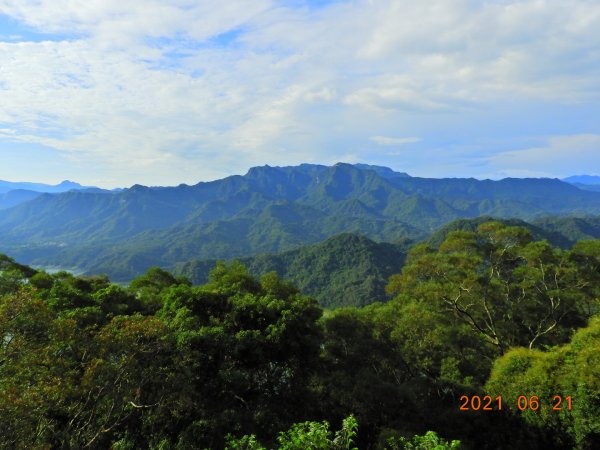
(65, 186)
(270, 209)
(13, 194)
(585, 182)
(583, 179)
(587, 187)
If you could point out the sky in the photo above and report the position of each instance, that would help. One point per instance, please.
(162, 92)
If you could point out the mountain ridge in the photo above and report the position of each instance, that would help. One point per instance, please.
(267, 210)
(16, 193)
(63, 186)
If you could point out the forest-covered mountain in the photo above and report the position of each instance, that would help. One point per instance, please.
(270, 209)
(352, 270)
(560, 231)
(345, 270)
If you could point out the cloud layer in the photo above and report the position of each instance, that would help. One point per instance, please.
(168, 91)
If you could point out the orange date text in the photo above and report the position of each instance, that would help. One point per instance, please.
(522, 403)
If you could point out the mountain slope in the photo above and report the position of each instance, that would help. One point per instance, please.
(572, 228)
(344, 270)
(537, 231)
(270, 209)
(278, 227)
(16, 197)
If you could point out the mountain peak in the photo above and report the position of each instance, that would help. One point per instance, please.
(382, 171)
(68, 183)
(258, 170)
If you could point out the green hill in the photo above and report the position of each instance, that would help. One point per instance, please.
(345, 270)
(573, 228)
(538, 232)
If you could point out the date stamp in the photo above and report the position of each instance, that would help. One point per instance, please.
(522, 403)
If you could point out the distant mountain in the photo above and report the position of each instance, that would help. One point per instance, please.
(268, 210)
(583, 179)
(16, 196)
(587, 187)
(65, 186)
(13, 194)
(585, 182)
(344, 270)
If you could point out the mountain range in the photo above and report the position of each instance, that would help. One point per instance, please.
(352, 270)
(64, 186)
(267, 210)
(15, 193)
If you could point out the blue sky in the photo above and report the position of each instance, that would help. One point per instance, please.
(158, 92)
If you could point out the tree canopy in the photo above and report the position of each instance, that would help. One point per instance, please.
(250, 363)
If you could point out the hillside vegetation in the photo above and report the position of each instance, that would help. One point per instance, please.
(345, 270)
(246, 363)
(268, 210)
(351, 270)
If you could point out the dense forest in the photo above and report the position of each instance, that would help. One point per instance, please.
(490, 339)
(344, 270)
(353, 270)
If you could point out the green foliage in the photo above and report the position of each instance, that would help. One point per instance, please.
(539, 230)
(251, 347)
(429, 441)
(316, 436)
(510, 290)
(148, 288)
(165, 365)
(572, 370)
(573, 228)
(305, 436)
(12, 274)
(248, 442)
(345, 270)
(67, 387)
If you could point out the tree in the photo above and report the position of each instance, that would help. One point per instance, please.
(249, 348)
(429, 441)
(509, 290)
(564, 382)
(148, 288)
(64, 386)
(305, 436)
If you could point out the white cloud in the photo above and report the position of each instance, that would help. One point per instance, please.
(160, 85)
(385, 140)
(561, 156)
